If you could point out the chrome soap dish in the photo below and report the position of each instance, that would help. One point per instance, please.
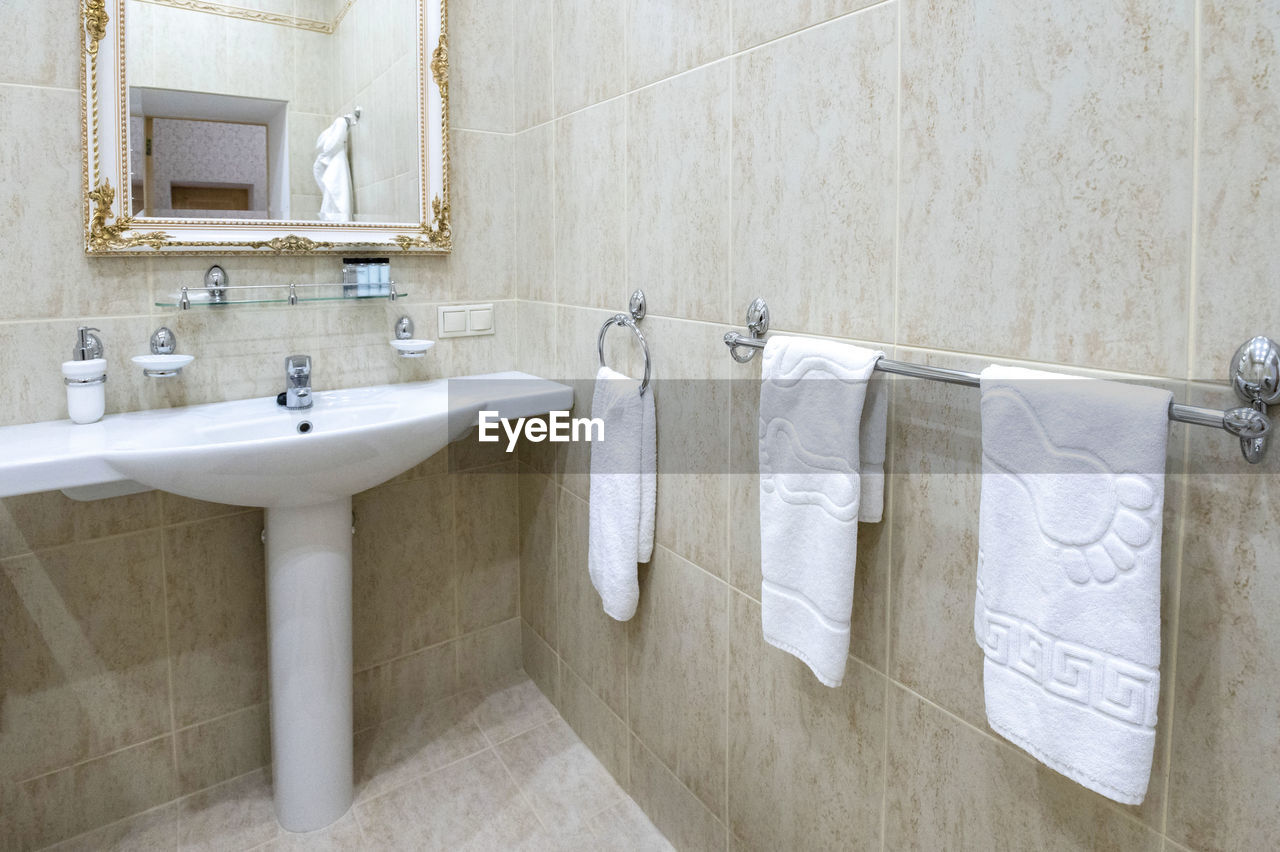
(163, 362)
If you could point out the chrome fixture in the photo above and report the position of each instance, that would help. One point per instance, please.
(88, 345)
(1255, 375)
(216, 281)
(163, 362)
(404, 342)
(638, 309)
(163, 342)
(353, 117)
(297, 375)
(757, 324)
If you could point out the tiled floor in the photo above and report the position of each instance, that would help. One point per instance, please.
(483, 771)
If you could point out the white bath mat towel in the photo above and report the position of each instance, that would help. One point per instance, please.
(1068, 600)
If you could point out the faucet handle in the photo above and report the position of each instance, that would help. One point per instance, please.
(297, 366)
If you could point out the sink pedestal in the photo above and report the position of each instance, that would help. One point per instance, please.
(309, 612)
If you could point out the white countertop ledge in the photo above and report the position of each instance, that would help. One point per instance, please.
(61, 455)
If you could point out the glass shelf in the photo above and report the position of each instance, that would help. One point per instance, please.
(285, 294)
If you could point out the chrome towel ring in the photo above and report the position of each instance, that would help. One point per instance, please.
(637, 308)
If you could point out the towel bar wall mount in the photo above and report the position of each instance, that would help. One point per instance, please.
(758, 325)
(637, 308)
(1255, 376)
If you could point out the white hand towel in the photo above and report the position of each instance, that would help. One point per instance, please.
(1068, 603)
(332, 172)
(623, 491)
(812, 403)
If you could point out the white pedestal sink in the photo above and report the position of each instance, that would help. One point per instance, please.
(303, 467)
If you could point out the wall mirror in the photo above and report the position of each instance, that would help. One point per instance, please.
(285, 126)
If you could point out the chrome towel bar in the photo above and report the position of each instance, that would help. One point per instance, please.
(637, 308)
(1255, 375)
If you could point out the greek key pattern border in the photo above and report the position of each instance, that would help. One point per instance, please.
(1070, 671)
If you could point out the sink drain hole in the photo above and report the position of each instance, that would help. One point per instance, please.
(304, 427)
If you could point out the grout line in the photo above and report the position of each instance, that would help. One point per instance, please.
(236, 512)
(415, 779)
(897, 188)
(890, 489)
(625, 218)
(39, 87)
(94, 758)
(728, 662)
(554, 129)
(884, 768)
(727, 310)
(511, 69)
(1194, 260)
(221, 716)
(173, 802)
(454, 485)
(674, 777)
(712, 62)
(69, 842)
(519, 788)
(1000, 742)
(432, 647)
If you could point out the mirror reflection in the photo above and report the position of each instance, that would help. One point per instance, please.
(292, 110)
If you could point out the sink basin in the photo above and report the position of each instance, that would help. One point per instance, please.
(254, 452)
(302, 467)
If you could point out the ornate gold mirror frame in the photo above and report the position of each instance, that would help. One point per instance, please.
(110, 229)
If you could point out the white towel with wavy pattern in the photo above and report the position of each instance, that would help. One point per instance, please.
(1068, 604)
(817, 425)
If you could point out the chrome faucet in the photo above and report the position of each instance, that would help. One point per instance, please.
(297, 375)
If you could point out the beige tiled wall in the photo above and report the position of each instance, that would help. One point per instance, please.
(954, 182)
(132, 630)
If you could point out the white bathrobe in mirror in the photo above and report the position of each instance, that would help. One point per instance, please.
(333, 172)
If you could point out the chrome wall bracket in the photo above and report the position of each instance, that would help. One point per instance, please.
(216, 281)
(757, 324)
(163, 341)
(1255, 375)
(637, 308)
(637, 305)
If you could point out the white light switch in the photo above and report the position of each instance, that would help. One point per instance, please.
(465, 320)
(453, 320)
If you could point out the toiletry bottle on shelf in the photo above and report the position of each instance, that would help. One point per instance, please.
(379, 276)
(348, 278)
(362, 276)
(85, 377)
